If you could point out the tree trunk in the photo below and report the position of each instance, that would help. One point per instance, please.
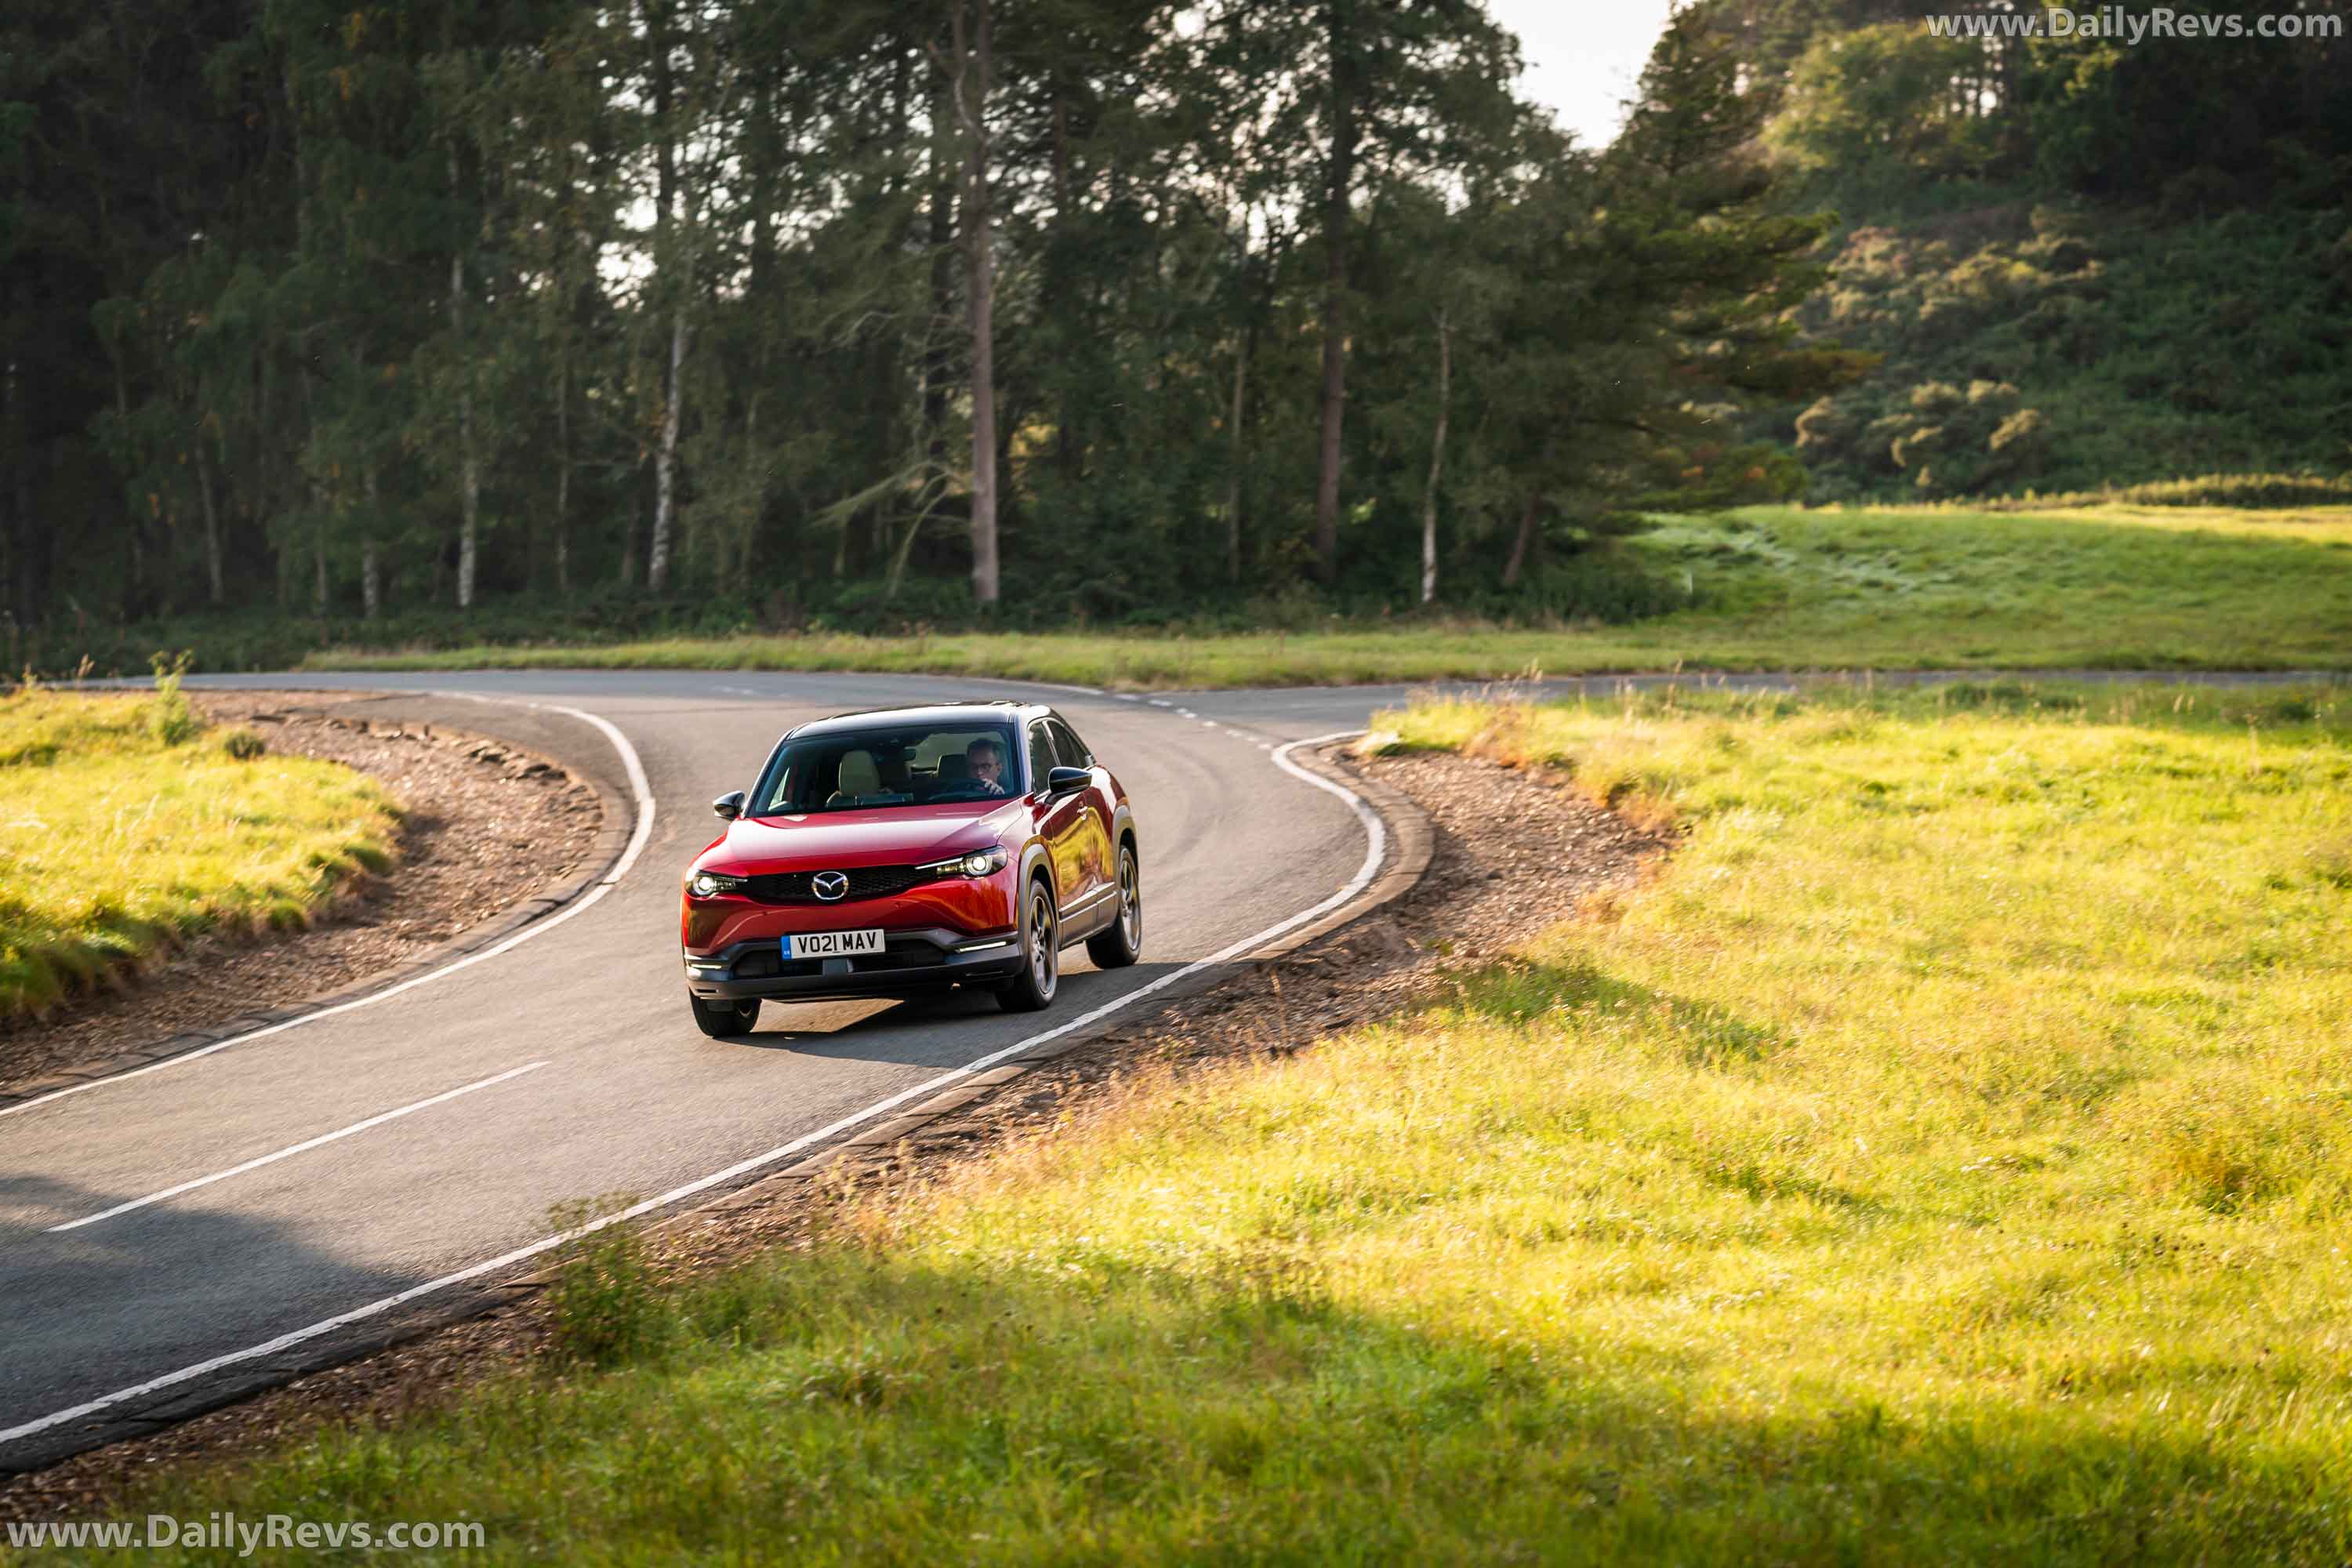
(1334, 284)
(371, 575)
(667, 261)
(1235, 454)
(319, 569)
(563, 474)
(1524, 542)
(666, 458)
(629, 535)
(470, 473)
(1436, 462)
(942, 238)
(972, 99)
(211, 523)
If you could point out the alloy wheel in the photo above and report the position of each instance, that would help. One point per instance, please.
(1130, 902)
(1043, 960)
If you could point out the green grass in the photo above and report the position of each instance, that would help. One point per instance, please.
(125, 826)
(1776, 589)
(1946, 1157)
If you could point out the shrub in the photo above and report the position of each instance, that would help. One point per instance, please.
(243, 744)
(168, 714)
(603, 1305)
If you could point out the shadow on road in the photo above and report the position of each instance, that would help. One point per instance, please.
(947, 1029)
(113, 1304)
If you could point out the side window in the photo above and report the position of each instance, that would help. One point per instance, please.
(1073, 751)
(1041, 756)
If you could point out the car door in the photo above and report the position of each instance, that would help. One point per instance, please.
(1101, 864)
(1061, 821)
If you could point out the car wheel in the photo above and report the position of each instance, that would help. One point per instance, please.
(1033, 989)
(1121, 942)
(723, 1020)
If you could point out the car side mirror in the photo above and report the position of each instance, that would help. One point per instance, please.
(728, 807)
(1067, 781)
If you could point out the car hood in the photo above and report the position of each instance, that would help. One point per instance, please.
(885, 838)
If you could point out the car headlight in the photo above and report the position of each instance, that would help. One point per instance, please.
(710, 884)
(978, 863)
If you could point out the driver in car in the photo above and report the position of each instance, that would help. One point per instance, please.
(986, 760)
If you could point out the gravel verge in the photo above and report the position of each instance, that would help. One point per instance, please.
(475, 811)
(1513, 851)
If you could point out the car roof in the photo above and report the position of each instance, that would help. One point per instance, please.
(931, 713)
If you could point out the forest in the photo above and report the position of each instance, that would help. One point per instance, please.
(1100, 311)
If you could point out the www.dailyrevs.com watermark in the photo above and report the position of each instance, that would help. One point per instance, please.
(2130, 25)
(226, 1532)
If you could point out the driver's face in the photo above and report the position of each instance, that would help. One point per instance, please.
(987, 764)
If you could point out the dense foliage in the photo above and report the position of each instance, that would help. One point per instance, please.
(1106, 306)
(1105, 310)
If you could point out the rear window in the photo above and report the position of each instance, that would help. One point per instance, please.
(886, 767)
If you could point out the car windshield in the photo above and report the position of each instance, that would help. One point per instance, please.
(898, 766)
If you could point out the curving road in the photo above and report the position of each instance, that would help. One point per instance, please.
(169, 1234)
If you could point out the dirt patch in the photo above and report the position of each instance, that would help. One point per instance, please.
(474, 811)
(1514, 851)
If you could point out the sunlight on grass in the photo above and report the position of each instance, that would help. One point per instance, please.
(1946, 1156)
(114, 840)
(1772, 588)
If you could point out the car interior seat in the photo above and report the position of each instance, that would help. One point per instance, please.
(859, 777)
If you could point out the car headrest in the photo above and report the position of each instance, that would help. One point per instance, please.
(858, 773)
(954, 765)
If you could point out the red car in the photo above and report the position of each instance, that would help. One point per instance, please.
(908, 850)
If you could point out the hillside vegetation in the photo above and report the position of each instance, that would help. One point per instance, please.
(2039, 347)
(1944, 1158)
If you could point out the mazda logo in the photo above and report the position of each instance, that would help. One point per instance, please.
(829, 884)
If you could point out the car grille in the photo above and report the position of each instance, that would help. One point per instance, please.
(864, 882)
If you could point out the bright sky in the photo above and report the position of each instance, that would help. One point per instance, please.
(1583, 56)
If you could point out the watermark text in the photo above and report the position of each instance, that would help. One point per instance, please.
(2131, 24)
(229, 1532)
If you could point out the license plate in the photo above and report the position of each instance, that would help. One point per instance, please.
(832, 944)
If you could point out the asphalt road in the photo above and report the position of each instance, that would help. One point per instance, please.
(235, 1212)
(360, 1156)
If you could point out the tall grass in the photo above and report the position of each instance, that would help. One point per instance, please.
(1945, 1157)
(123, 829)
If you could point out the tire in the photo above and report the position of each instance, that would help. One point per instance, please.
(724, 1020)
(1031, 991)
(1121, 942)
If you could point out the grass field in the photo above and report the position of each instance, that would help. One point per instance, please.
(125, 825)
(1946, 1157)
(1780, 588)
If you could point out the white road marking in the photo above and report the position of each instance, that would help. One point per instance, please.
(303, 1147)
(1161, 702)
(1375, 852)
(638, 785)
(1127, 697)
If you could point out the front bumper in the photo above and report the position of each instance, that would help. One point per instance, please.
(911, 962)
